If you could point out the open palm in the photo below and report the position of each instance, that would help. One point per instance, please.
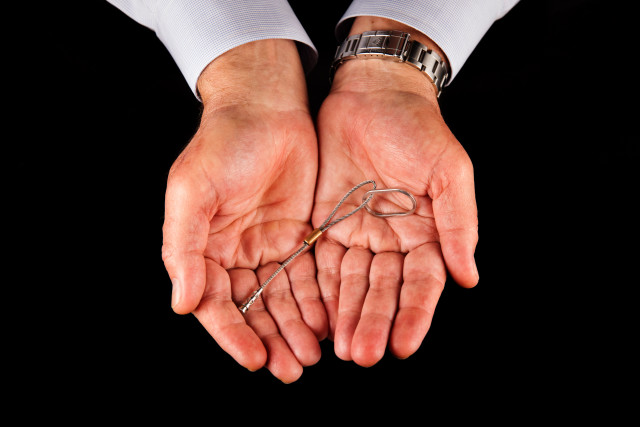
(381, 278)
(238, 201)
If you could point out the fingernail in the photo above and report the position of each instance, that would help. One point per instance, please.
(176, 294)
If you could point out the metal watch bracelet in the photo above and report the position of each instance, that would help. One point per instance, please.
(396, 46)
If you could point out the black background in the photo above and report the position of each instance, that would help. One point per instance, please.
(541, 106)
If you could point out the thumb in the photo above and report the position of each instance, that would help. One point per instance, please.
(454, 207)
(185, 231)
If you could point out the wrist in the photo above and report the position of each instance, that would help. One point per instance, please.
(267, 72)
(401, 70)
(374, 23)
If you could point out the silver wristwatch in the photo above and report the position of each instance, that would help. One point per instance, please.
(396, 46)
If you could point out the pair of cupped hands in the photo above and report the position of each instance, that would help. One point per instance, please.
(258, 176)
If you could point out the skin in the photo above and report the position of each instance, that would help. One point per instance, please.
(381, 279)
(239, 200)
(240, 196)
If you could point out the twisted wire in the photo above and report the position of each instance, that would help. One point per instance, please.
(249, 302)
(324, 227)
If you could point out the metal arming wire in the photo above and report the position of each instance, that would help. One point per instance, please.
(315, 234)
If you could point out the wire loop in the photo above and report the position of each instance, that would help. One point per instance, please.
(369, 196)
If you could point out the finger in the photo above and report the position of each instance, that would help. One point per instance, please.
(221, 318)
(455, 211)
(329, 256)
(424, 276)
(185, 231)
(283, 309)
(372, 334)
(280, 361)
(354, 283)
(304, 285)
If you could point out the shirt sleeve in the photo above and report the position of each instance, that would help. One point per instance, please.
(195, 32)
(456, 26)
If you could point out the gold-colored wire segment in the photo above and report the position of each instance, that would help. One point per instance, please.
(313, 236)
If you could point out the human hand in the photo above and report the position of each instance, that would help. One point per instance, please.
(238, 201)
(380, 279)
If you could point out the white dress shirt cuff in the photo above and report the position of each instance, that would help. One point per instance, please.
(456, 26)
(195, 32)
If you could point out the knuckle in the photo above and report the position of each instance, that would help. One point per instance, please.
(168, 250)
(177, 180)
(461, 166)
